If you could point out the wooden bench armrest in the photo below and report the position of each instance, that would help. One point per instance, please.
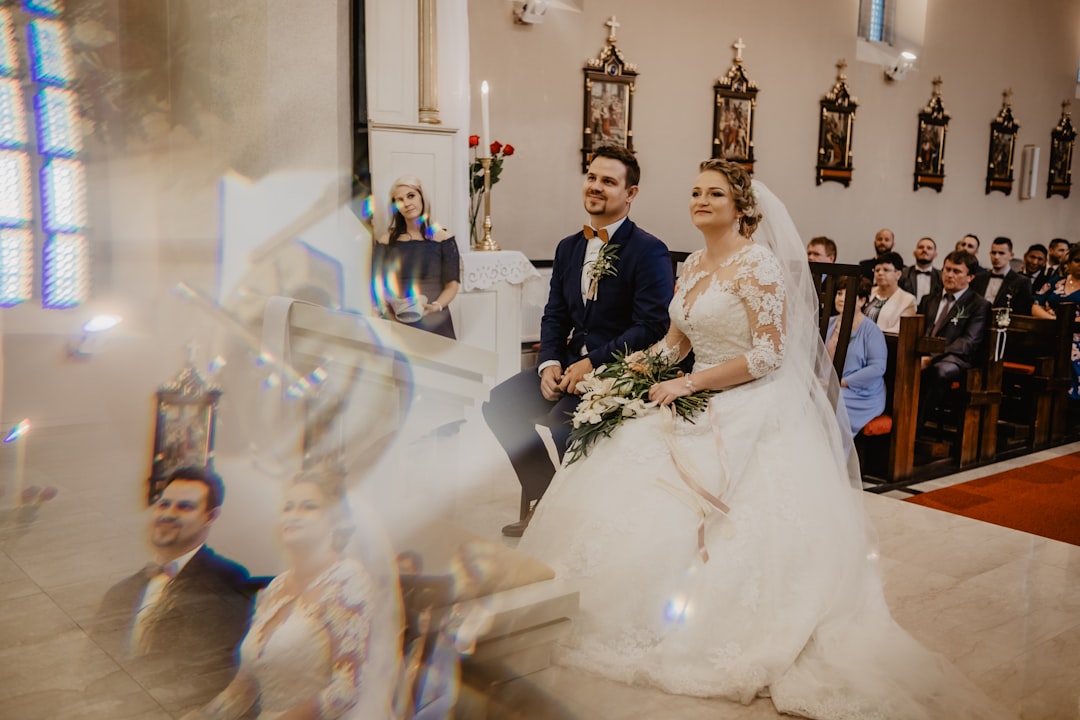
(928, 345)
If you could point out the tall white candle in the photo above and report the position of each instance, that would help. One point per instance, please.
(485, 121)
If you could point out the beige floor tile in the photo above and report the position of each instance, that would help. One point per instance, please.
(1044, 682)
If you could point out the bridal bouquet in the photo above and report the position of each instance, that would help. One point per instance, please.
(619, 390)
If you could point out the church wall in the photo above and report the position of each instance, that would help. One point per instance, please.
(978, 48)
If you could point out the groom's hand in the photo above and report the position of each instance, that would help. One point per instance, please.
(551, 382)
(575, 374)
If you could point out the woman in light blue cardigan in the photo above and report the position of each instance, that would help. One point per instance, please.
(863, 383)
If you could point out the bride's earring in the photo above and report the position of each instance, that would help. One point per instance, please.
(738, 224)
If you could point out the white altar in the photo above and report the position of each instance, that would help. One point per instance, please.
(495, 287)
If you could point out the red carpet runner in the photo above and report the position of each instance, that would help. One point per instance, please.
(1043, 499)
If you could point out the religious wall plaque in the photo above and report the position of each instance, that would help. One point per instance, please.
(999, 163)
(733, 114)
(1062, 140)
(184, 431)
(834, 131)
(930, 142)
(609, 100)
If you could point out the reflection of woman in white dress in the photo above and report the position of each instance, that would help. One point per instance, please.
(306, 653)
(729, 556)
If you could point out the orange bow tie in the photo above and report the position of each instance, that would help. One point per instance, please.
(590, 233)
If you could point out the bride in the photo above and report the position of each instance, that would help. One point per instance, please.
(730, 556)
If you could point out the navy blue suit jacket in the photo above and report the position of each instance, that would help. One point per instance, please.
(630, 310)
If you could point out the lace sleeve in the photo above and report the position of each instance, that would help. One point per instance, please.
(345, 615)
(760, 284)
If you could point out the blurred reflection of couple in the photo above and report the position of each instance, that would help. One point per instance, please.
(323, 641)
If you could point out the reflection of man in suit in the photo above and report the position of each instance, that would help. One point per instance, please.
(580, 331)
(1003, 286)
(184, 614)
(922, 278)
(961, 316)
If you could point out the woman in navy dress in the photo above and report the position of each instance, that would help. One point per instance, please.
(862, 385)
(1063, 288)
(416, 260)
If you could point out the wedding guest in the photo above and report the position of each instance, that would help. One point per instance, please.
(959, 315)
(883, 243)
(415, 265)
(1055, 260)
(821, 249)
(862, 385)
(1003, 286)
(1065, 288)
(307, 653)
(970, 244)
(184, 614)
(1035, 266)
(888, 303)
(922, 278)
(610, 286)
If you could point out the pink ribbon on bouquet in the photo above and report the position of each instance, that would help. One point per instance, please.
(708, 503)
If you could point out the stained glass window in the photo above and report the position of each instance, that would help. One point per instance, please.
(48, 144)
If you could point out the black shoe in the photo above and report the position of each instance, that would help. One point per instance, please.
(517, 529)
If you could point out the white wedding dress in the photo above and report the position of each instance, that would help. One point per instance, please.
(789, 602)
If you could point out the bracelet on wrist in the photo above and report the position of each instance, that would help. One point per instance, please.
(689, 384)
(438, 304)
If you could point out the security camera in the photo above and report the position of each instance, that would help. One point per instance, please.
(900, 68)
(530, 12)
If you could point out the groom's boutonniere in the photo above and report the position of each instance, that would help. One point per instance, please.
(603, 267)
(960, 315)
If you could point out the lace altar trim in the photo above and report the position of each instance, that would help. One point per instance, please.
(483, 270)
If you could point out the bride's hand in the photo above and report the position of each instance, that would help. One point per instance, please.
(666, 392)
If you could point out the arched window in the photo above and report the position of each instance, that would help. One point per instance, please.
(42, 176)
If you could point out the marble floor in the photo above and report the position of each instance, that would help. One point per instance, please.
(1003, 605)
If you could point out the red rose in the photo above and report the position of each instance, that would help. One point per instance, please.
(474, 140)
(496, 147)
(508, 149)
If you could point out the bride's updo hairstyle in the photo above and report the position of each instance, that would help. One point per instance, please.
(332, 487)
(741, 192)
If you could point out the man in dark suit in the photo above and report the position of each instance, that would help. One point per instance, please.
(970, 244)
(922, 278)
(1035, 266)
(961, 316)
(1055, 259)
(179, 620)
(589, 316)
(1003, 286)
(883, 243)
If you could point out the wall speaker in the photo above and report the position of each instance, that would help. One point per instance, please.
(1029, 171)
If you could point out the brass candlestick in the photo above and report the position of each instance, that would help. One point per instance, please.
(486, 242)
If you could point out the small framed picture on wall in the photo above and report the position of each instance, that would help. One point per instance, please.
(608, 100)
(835, 127)
(735, 100)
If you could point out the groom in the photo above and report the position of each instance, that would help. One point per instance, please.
(594, 310)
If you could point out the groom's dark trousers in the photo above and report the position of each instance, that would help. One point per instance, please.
(630, 312)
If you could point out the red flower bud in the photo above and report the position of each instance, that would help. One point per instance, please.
(508, 149)
(474, 140)
(496, 147)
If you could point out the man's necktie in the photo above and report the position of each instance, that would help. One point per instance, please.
(590, 233)
(946, 307)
